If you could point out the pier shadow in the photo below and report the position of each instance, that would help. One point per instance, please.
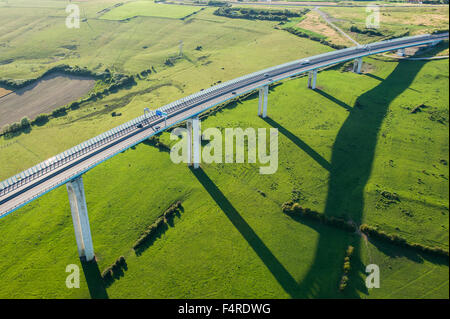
(351, 165)
(297, 141)
(94, 280)
(370, 75)
(280, 273)
(333, 99)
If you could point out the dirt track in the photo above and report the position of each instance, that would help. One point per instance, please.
(44, 96)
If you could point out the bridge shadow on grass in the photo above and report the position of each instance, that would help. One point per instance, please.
(94, 279)
(275, 267)
(297, 141)
(351, 165)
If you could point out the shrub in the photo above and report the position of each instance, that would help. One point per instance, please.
(350, 250)
(59, 112)
(114, 270)
(40, 119)
(74, 105)
(15, 127)
(25, 122)
(343, 283)
(346, 268)
(5, 129)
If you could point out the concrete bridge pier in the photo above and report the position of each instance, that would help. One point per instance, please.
(77, 199)
(262, 103)
(357, 65)
(194, 141)
(401, 52)
(312, 79)
(189, 141)
(266, 96)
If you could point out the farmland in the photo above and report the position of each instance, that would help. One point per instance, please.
(42, 97)
(149, 9)
(341, 147)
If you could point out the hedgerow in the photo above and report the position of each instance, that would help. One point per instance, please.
(302, 34)
(294, 209)
(402, 242)
(346, 267)
(114, 271)
(258, 14)
(150, 234)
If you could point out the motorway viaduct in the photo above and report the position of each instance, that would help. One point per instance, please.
(69, 166)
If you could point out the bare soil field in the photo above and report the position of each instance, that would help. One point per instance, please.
(314, 22)
(43, 96)
(4, 92)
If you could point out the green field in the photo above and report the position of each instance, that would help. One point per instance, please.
(392, 21)
(340, 147)
(149, 9)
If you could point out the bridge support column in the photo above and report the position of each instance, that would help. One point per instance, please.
(194, 141)
(260, 101)
(312, 79)
(80, 218)
(357, 65)
(266, 96)
(197, 136)
(189, 142)
(401, 52)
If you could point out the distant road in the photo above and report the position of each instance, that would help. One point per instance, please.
(30, 184)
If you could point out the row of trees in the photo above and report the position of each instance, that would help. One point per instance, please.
(369, 32)
(346, 267)
(257, 14)
(114, 271)
(400, 241)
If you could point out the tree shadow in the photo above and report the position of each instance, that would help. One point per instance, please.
(157, 234)
(351, 165)
(12, 135)
(94, 279)
(280, 273)
(297, 141)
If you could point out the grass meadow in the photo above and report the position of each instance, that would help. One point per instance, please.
(232, 240)
(393, 21)
(340, 147)
(150, 9)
